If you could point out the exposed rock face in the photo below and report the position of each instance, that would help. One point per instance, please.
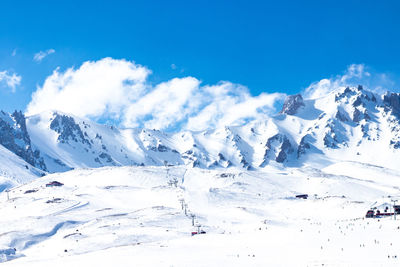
(335, 135)
(292, 104)
(341, 116)
(162, 148)
(330, 140)
(392, 102)
(222, 161)
(193, 157)
(15, 137)
(357, 115)
(349, 118)
(68, 130)
(361, 115)
(107, 158)
(358, 102)
(278, 148)
(304, 145)
(345, 94)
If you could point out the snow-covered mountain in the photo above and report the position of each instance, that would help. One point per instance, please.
(341, 150)
(348, 124)
(14, 136)
(19, 163)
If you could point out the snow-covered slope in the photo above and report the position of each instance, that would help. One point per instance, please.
(133, 196)
(14, 170)
(353, 124)
(14, 136)
(68, 142)
(348, 124)
(119, 216)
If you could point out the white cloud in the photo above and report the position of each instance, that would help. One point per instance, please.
(14, 52)
(97, 88)
(183, 103)
(356, 74)
(164, 106)
(230, 104)
(39, 56)
(119, 90)
(11, 80)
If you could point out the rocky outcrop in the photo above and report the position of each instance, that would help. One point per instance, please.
(353, 119)
(14, 136)
(392, 103)
(304, 145)
(68, 130)
(278, 148)
(359, 115)
(292, 104)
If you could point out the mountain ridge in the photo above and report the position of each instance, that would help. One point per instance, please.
(348, 123)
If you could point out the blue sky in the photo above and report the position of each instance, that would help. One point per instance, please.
(267, 46)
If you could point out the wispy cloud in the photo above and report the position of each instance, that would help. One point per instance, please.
(14, 52)
(39, 56)
(355, 74)
(184, 102)
(10, 80)
(175, 67)
(119, 90)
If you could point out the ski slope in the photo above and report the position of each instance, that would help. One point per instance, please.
(14, 170)
(135, 216)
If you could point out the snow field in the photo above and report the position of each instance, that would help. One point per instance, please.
(119, 216)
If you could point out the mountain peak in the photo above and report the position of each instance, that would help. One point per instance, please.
(393, 101)
(292, 104)
(346, 123)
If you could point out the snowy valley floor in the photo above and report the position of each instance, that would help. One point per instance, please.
(133, 216)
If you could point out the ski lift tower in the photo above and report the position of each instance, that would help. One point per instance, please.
(193, 217)
(182, 201)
